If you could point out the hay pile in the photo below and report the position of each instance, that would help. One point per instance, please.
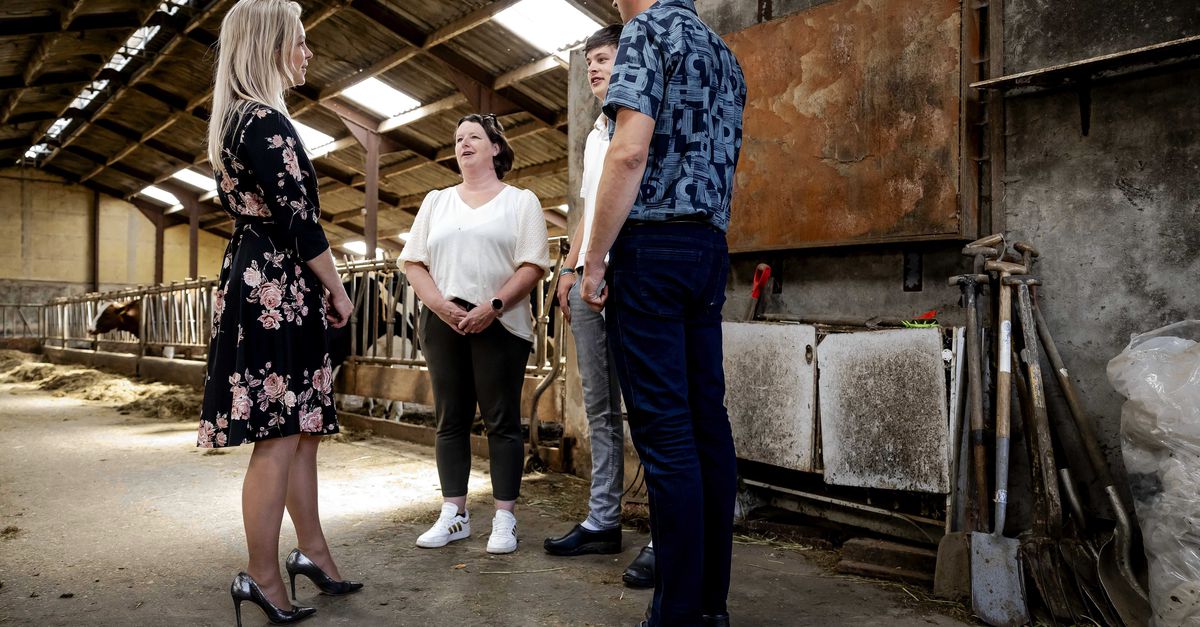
(152, 399)
(10, 359)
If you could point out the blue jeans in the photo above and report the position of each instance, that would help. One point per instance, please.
(602, 404)
(664, 326)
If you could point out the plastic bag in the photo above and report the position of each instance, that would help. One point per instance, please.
(1159, 374)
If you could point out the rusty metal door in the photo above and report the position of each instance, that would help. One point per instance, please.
(883, 409)
(852, 130)
(770, 390)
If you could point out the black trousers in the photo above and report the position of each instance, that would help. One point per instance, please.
(485, 369)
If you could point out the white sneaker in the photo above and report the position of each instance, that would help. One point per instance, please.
(450, 526)
(504, 533)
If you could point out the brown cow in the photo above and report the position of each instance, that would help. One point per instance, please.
(126, 317)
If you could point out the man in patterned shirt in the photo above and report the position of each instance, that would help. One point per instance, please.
(676, 96)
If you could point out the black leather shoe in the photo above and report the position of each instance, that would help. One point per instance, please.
(715, 620)
(580, 541)
(640, 573)
(298, 563)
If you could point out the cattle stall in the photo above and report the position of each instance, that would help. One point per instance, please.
(162, 332)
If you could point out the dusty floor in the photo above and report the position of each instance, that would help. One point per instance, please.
(111, 518)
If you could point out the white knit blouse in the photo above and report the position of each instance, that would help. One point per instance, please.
(472, 253)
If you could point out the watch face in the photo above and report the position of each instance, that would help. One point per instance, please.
(497, 304)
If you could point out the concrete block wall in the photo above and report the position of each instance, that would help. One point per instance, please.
(44, 227)
(1115, 212)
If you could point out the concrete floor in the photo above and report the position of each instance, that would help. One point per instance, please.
(111, 519)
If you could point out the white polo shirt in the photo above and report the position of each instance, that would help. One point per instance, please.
(593, 166)
(472, 253)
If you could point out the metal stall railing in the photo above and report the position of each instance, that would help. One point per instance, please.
(176, 318)
(21, 321)
(379, 286)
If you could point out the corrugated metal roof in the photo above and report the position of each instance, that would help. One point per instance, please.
(169, 101)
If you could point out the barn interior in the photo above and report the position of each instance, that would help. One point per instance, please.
(897, 154)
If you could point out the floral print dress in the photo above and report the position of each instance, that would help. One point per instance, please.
(269, 373)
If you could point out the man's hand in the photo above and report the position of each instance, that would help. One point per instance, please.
(451, 314)
(565, 283)
(477, 320)
(593, 291)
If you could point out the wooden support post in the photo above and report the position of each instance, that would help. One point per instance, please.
(192, 206)
(367, 135)
(94, 242)
(159, 226)
(370, 223)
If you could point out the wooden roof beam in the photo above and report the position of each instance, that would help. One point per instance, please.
(193, 106)
(144, 206)
(139, 74)
(440, 36)
(68, 22)
(33, 67)
(414, 36)
(600, 10)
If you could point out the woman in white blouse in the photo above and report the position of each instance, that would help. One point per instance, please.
(473, 255)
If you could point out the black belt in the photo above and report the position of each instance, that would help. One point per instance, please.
(690, 220)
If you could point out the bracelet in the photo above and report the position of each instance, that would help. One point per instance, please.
(565, 271)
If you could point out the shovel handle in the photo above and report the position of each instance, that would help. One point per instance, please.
(1003, 393)
(1083, 421)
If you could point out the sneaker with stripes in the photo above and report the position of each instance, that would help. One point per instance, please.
(450, 526)
(504, 533)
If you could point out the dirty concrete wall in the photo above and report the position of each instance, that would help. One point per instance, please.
(45, 227)
(1115, 212)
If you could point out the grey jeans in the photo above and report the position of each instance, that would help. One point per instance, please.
(602, 403)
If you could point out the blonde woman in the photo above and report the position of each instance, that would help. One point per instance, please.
(269, 377)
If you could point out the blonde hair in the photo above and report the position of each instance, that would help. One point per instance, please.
(253, 49)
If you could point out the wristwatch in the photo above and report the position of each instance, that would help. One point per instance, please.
(497, 304)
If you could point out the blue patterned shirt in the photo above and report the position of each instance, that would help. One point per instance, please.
(672, 67)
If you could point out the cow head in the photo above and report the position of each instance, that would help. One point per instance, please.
(122, 317)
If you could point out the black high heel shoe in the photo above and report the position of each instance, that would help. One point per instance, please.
(244, 588)
(298, 563)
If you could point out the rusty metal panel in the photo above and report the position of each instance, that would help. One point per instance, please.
(851, 126)
(769, 390)
(883, 410)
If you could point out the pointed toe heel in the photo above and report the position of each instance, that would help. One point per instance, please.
(298, 563)
(244, 588)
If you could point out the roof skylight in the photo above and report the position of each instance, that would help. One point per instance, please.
(161, 195)
(359, 247)
(56, 129)
(171, 7)
(195, 179)
(312, 138)
(37, 151)
(380, 97)
(133, 47)
(550, 25)
(88, 94)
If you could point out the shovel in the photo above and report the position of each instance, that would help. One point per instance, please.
(1040, 555)
(1115, 563)
(952, 573)
(997, 590)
